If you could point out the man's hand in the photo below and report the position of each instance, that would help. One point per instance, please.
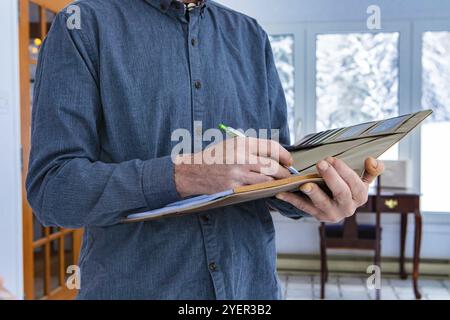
(241, 161)
(349, 190)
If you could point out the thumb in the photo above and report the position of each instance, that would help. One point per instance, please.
(373, 168)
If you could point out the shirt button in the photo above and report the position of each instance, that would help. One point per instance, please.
(163, 7)
(194, 42)
(212, 266)
(198, 84)
(205, 218)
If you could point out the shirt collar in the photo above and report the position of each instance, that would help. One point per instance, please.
(175, 5)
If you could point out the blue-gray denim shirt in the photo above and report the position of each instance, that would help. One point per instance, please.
(107, 98)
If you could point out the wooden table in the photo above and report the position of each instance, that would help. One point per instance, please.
(401, 202)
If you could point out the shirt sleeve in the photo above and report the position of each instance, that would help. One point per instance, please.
(67, 185)
(278, 108)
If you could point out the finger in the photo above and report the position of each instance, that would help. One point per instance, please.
(357, 187)
(270, 149)
(319, 198)
(270, 167)
(321, 213)
(373, 168)
(254, 178)
(283, 156)
(337, 185)
(301, 203)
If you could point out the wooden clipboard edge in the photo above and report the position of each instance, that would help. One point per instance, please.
(240, 191)
(275, 183)
(210, 205)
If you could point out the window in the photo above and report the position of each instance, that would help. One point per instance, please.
(283, 51)
(356, 79)
(435, 96)
(339, 74)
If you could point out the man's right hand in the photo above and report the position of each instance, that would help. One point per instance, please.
(236, 162)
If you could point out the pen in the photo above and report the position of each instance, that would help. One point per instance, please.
(236, 133)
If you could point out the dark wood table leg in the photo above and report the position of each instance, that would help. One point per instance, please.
(403, 231)
(323, 261)
(377, 260)
(416, 258)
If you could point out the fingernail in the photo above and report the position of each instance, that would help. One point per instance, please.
(374, 162)
(323, 165)
(306, 188)
(331, 160)
(291, 161)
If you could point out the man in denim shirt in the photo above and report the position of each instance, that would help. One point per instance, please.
(109, 93)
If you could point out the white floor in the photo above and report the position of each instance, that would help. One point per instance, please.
(307, 287)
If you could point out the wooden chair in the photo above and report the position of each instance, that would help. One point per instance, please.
(350, 235)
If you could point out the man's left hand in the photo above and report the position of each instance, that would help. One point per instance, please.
(349, 190)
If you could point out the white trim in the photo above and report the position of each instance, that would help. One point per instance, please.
(302, 236)
(298, 31)
(18, 152)
(419, 27)
(11, 258)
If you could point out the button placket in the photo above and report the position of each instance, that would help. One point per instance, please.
(212, 258)
(198, 81)
(208, 231)
(212, 266)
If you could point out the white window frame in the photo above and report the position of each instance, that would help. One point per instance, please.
(315, 29)
(298, 31)
(419, 27)
(305, 64)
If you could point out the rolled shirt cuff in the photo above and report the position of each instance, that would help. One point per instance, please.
(158, 182)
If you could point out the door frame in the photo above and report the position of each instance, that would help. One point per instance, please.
(29, 244)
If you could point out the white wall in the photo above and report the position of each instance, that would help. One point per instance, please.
(290, 11)
(301, 237)
(10, 176)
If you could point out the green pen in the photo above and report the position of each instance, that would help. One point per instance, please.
(236, 133)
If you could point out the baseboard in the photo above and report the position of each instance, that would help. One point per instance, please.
(352, 264)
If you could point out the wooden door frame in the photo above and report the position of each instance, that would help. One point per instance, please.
(25, 120)
(25, 116)
(53, 5)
